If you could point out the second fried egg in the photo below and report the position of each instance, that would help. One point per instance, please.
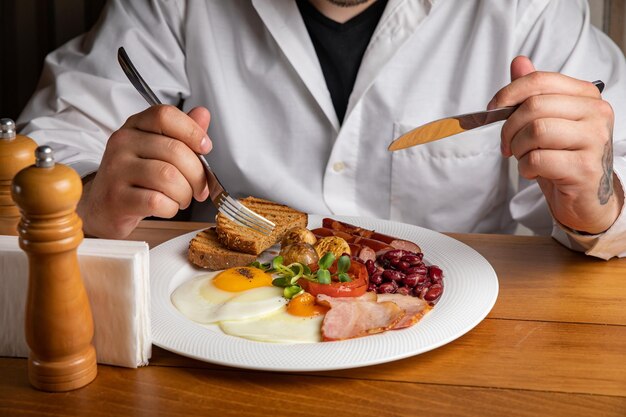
(233, 294)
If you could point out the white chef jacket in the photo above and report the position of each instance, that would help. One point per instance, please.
(274, 129)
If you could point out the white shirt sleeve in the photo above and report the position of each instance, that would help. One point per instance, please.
(558, 36)
(83, 96)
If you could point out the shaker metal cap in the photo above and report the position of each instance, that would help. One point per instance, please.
(44, 157)
(7, 129)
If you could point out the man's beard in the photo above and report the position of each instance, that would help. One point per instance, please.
(347, 3)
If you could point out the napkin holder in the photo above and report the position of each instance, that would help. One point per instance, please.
(116, 278)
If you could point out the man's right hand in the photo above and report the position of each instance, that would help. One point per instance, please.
(150, 167)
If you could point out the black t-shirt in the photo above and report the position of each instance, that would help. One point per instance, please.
(340, 47)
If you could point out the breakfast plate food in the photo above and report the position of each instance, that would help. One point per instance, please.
(471, 289)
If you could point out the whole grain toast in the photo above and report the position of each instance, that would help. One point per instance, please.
(243, 239)
(205, 251)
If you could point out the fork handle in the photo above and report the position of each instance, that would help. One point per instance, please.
(215, 187)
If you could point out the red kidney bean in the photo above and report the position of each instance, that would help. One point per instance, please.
(411, 280)
(403, 271)
(434, 272)
(412, 260)
(387, 288)
(403, 266)
(391, 275)
(394, 254)
(424, 281)
(376, 278)
(383, 262)
(437, 281)
(433, 293)
(420, 291)
(420, 270)
(403, 291)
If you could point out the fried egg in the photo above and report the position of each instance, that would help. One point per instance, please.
(299, 322)
(233, 294)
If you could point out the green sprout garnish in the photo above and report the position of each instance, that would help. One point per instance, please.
(287, 276)
(323, 276)
(326, 261)
(291, 291)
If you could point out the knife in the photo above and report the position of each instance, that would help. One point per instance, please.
(449, 126)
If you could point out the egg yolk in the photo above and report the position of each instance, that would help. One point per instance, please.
(304, 306)
(241, 279)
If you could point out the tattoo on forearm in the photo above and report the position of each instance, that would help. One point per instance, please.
(605, 190)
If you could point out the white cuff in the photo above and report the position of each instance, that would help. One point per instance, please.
(604, 245)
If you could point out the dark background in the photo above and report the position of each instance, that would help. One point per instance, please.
(29, 30)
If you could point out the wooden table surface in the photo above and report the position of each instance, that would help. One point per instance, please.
(554, 344)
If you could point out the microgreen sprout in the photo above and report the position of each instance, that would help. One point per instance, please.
(287, 276)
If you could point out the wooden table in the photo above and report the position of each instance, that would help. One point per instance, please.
(554, 344)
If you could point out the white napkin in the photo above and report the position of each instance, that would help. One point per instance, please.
(116, 277)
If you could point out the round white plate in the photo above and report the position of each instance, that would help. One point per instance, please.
(471, 289)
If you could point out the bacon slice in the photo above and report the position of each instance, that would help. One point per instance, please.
(328, 301)
(415, 308)
(354, 318)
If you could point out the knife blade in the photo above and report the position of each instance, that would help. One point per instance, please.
(449, 126)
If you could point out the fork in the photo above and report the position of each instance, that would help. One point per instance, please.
(225, 204)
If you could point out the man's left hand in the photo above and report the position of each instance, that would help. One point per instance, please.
(561, 135)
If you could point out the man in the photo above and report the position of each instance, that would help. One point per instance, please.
(290, 123)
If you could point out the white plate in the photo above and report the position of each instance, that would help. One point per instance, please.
(471, 289)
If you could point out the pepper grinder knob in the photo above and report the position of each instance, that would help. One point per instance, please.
(7, 129)
(44, 158)
(16, 153)
(59, 324)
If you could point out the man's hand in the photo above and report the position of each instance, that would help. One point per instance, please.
(149, 168)
(561, 134)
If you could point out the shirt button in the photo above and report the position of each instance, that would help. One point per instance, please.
(339, 166)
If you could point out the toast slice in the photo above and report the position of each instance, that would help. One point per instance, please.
(205, 251)
(243, 239)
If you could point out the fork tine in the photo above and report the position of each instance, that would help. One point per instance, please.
(229, 216)
(243, 215)
(235, 215)
(249, 214)
(242, 220)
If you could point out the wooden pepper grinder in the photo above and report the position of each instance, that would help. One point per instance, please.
(59, 325)
(16, 152)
